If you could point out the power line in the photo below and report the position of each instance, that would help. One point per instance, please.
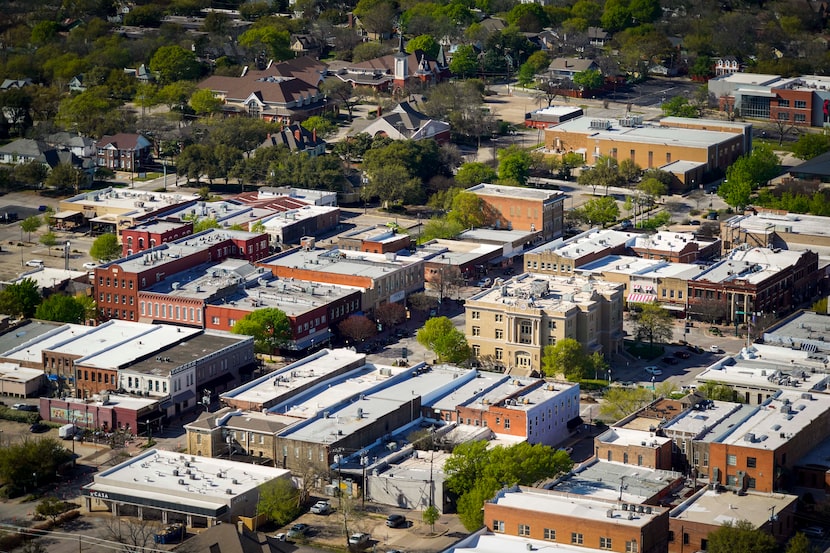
(80, 538)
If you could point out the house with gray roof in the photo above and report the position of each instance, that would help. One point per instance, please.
(406, 123)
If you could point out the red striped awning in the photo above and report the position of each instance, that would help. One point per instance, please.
(641, 298)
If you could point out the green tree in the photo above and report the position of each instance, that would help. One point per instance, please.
(391, 186)
(431, 515)
(51, 507)
(425, 43)
(464, 62)
(566, 357)
(475, 473)
(800, 543)
(376, 15)
(735, 193)
(205, 102)
(809, 145)
(25, 464)
(679, 107)
(590, 79)
(751, 171)
(475, 172)
(65, 176)
(601, 210)
(718, 391)
(30, 225)
(276, 40)
(629, 170)
(20, 298)
(740, 537)
(441, 227)
(514, 165)
(105, 247)
(605, 172)
(50, 240)
(279, 500)
(269, 327)
(174, 63)
(652, 323)
(652, 188)
(620, 402)
(441, 337)
(322, 125)
(467, 210)
(368, 51)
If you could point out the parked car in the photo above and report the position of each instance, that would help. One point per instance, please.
(484, 283)
(395, 521)
(298, 530)
(510, 271)
(694, 222)
(714, 349)
(682, 354)
(359, 539)
(24, 407)
(626, 224)
(321, 508)
(814, 531)
(670, 361)
(35, 263)
(38, 428)
(89, 265)
(652, 370)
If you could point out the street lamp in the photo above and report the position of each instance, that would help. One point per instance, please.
(149, 433)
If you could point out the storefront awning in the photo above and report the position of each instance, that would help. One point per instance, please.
(673, 307)
(641, 298)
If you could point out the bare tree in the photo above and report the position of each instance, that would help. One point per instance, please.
(135, 535)
(446, 281)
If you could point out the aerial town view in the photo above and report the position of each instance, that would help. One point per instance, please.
(414, 276)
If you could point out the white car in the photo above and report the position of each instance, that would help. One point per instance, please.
(34, 263)
(714, 349)
(652, 370)
(89, 265)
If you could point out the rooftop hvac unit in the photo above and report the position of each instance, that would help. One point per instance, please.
(175, 472)
(609, 513)
(625, 506)
(229, 491)
(648, 510)
(181, 481)
(235, 481)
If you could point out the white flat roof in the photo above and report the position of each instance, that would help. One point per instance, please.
(624, 437)
(152, 472)
(47, 277)
(121, 349)
(775, 421)
(493, 235)
(716, 509)
(125, 201)
(588, 508)
(586, 243)
(696, 421)
(314, 368)
(791, 223)
(557, 110)
(536, 292)
(760, 79)
(292, 216)
(754, 265)
(342, 262)
(646, 133)
(12, 372)
(501, 191)
(31, 351)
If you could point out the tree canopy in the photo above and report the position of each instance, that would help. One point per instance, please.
(653, 323)
(269, 327)
(105, 247)
(279, 500)
(475, 473)
(740, 537)
(567, 357)
(62, 308)
(20, 299)
(447, 342)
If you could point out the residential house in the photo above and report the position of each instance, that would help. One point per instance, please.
(404, 122)
(124, 152)
(305, 45)
(568, 67)
(297, 139)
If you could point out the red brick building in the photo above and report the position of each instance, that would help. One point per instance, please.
(518, 208)
(578, 520)
(706, 511)
(116, 284)
(757, 280)
(634, 447)
(147, 236)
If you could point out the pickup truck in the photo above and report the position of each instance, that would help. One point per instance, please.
(320, 508)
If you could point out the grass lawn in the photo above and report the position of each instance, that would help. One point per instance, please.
(643, 350)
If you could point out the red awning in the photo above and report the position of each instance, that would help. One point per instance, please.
(641, 298)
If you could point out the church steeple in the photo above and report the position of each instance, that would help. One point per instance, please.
(401, 63)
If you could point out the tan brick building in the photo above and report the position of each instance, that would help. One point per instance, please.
(563, 257)
(572, 519)
(514, 322)
(650, 146)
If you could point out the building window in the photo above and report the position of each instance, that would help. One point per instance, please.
(751, 462)
(525, 327)
(499, 334)
(750, 483)
(783, 103)
(475, 315)
(604, 543)
(550, 534)
(731, 480)
(476, 350)
(639, 460)
(476, 331)
(507, 424)
(799, 118)
(800, 104)
(783, 116)
(731, 460)
(705, 458)
(631, 546)
(524, 530)
(499, 317)
(576, 538)
(498, 526)
(499, 354)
